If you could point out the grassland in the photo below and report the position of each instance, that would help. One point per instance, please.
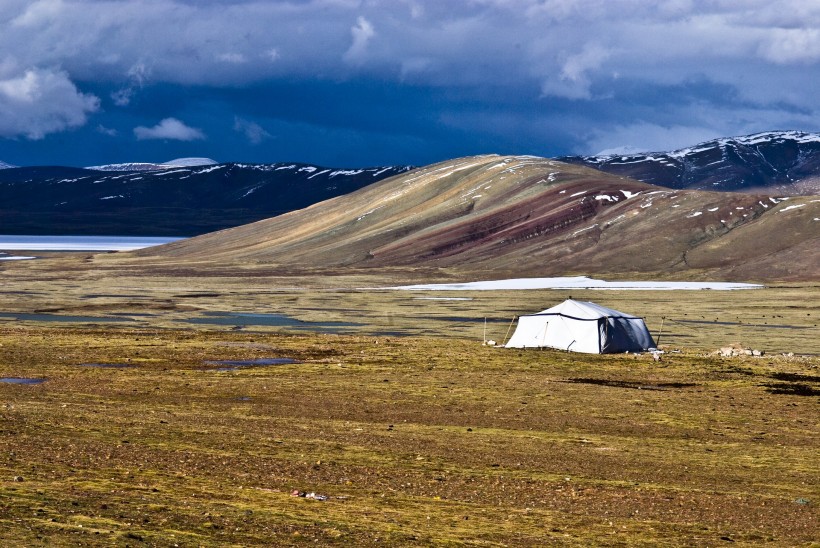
(427, 438)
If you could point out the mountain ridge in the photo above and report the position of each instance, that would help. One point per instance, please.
(177, 201)
(503, 215)
(779, 161)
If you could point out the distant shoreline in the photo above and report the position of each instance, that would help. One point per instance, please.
(81, 243)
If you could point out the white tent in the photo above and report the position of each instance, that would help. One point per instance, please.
(582, 327)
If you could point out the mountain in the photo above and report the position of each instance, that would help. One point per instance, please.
(179, 201)
(4, 165)
(525, 216)
(786, 162)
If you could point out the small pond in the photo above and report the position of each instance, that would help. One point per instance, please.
(60, 318)
(269, 320)
(108, 365)
(233, 365)
(21, 380)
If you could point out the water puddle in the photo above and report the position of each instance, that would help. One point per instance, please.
(61, 318)
(233, 365)
(108, 365)
(243, 319)
(21, 380)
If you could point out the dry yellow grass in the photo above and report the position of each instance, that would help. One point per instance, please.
(427, 438)
(414, 441)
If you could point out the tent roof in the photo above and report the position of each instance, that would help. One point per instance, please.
(583, 310)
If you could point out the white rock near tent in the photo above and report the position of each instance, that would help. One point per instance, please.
(581, 326)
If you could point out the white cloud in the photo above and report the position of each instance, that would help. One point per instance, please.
(251, 130)
(362, 33)
(39, 13)
(169, 128)
(573, 81)
(792, 45)
(39, 102)
(111, 132)
(122, 97)
(499, 54)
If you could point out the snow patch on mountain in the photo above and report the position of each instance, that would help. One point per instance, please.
(4, 165)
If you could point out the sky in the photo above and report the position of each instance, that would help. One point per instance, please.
(354, 83)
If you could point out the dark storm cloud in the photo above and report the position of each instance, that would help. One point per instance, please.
(344, 80)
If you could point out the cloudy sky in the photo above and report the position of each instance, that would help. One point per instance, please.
(371, 82)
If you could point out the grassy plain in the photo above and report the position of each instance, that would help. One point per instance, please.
(424, 438)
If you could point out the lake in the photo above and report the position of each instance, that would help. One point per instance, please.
(80, 243)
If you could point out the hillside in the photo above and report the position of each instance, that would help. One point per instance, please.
(529, 216)
(786, 162)
(165, 199)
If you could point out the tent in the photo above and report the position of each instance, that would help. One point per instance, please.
(582, 327)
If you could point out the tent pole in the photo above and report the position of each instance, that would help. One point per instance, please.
(658, 342)
(508, 331)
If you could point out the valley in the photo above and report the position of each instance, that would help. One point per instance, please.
(269, 384)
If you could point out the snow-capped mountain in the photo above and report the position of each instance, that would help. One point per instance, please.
(150, 166)
(780, 161)
(174, 200)
(4, 165)
(521, 216)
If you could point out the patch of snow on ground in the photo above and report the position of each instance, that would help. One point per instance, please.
(4, 257)
(628, 194)
(713, 209)
(171, 171)
(206, 170)
(319, 173)
(291, 166)
(575, 282)
(694, 214)
(791, 207)
(376, 174)
(112, 197)
(606, 197)
(578, 194)
(249, 192)
(584, 229)
(366, 213)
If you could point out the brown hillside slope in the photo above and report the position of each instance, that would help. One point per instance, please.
(529, 216)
